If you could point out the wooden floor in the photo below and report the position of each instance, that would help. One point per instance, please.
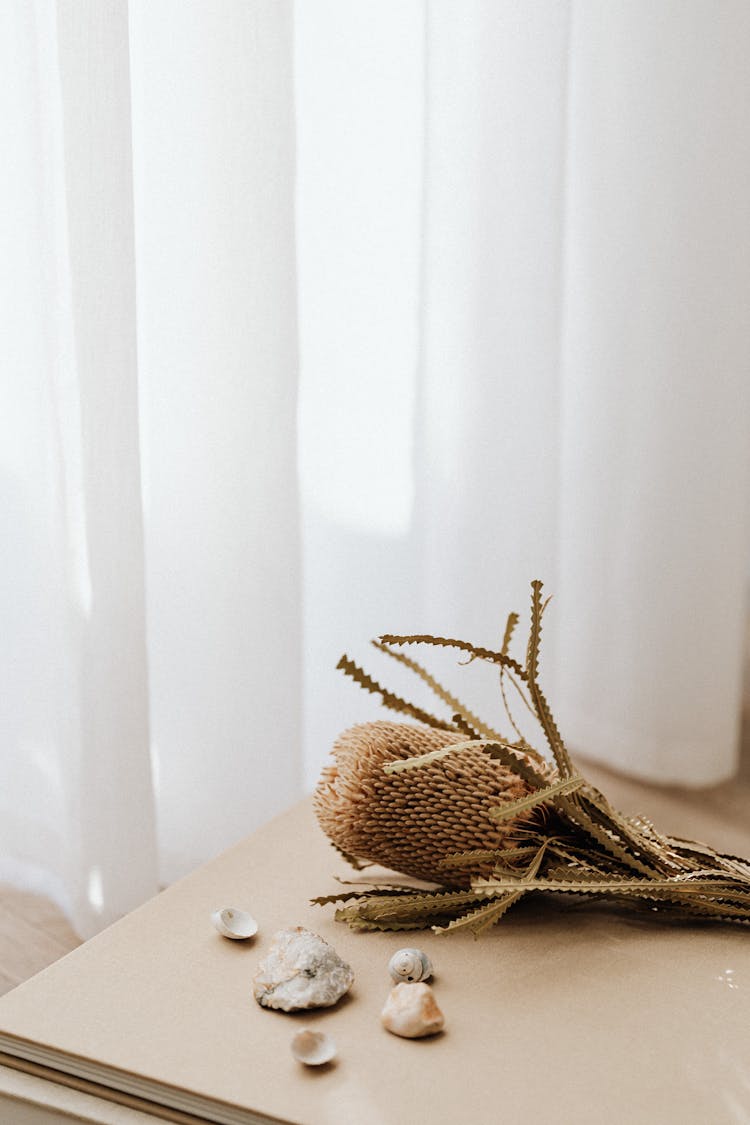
(33, 932)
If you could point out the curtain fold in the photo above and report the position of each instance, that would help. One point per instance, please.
(655, 376)
(108, 783)
(217, 337)
(78, 804)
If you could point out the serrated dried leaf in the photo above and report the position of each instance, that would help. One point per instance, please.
(578, 816)
(464, 646)
(515, 808)
(409, 906)
(535, 632)
(551, 733)
(516, 759)
(342, 896)
(510, 626)
(650, 848)
(456, 706)
(461, 724)
(513, 761)
(724, 859)
(461, 859)
(483, 918)
(605, 886)
(581, 874)
(373, 884)
(715, 910)
(382, 927)
(421, 760)
(357, 864)
(393, 702)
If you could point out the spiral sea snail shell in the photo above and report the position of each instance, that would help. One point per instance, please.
(410, 965)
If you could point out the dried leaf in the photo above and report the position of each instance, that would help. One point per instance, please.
(535, 632)
(578, 816)
(510, 625)
(464, 646)
(514, 808)
(481, 919)
(391, 926)
(461, 724)
(495, 749)
(407, 908)
(357, 864)
(605, 886)
(480, 855)
(421, 760)
(516, 759)
(456, 706)
(394, 702)
(342, 896)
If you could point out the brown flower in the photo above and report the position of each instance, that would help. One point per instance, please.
(410, 821)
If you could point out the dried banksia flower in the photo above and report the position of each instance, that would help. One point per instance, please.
(491, 819)
(409, 827)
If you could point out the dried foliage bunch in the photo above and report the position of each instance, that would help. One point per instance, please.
(489, 819)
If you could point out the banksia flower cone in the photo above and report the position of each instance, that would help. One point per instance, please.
(411, 823)
(491, 819)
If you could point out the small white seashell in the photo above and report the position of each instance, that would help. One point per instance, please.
(411, 1011)
(410, 965)
(301, 970)
(313, 1048)
(234, 924)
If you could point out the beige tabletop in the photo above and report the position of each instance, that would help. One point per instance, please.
(560, 1014)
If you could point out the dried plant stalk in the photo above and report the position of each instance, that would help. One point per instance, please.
(490, 820)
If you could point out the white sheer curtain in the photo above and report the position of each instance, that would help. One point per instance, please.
(77, 806)
(562, 272)
(213, 143)
(523, 280)
(199, 116)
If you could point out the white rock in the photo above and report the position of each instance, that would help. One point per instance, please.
(301, 970)
(411, 1011)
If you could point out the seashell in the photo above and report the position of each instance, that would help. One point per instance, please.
(235, 924)
(301, 970)
(313, 1048)
(410, 965)
(412, 1012)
